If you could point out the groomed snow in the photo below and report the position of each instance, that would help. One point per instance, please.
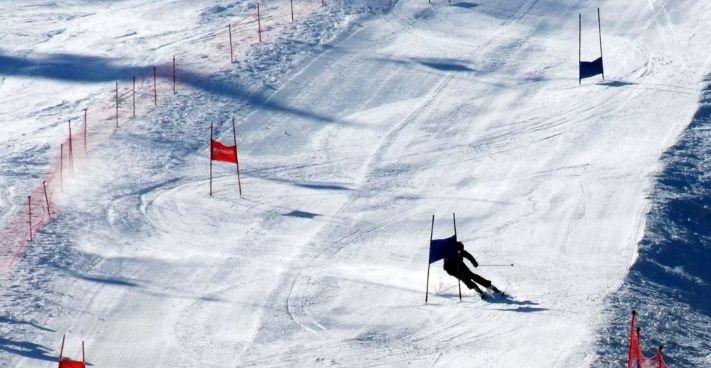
(355, 125)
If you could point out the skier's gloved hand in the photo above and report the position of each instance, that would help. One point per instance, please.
(475, 263)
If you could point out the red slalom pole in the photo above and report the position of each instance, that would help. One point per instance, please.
(61, 165)
(29, 207)
(85, 129)
(46, 198)
(117, 102)
(259, 23)
(292, 11)
(210, 159)
(134, 96)
(229, 29)
(71, 147)
(155, 88)
(174, 90)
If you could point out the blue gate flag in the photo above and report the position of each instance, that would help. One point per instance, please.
(443, 248)
(590, 68)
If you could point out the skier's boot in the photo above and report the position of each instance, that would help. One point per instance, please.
(497, 291)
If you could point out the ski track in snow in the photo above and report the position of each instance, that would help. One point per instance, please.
(355, 125)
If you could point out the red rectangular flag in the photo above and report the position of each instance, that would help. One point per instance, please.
(68, 363)
(220, 152)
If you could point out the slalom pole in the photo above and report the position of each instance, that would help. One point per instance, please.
(211, 159)
(459, 253)
(29, 208)
(599, 33)
(292, 11)
(86, 127)
(61, 166)
(117, 103)
(61, 349)
(155, 88)
(229, 29)
(580, 40)
(234, 134)
(46, 198)
(83, 357)
(259, 23)
(427, 289)
(174, 90)
(71, 147)
(134, 96)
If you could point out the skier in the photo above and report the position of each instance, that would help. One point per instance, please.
(454, 265)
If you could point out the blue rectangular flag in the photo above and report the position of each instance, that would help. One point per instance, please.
(443, 248)
(591, 68)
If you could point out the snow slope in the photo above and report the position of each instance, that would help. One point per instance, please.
(355, 126)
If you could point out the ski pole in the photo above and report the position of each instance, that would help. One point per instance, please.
(496, 265)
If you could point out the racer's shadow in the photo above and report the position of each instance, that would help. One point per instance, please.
(525, 306)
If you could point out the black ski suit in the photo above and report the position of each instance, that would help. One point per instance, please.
(455, 266)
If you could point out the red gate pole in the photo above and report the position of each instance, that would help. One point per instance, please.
(134, 96)
(29, 207)
(117, 102)
(174, 91)
(46, 198)
(259, 24)
(229, 29)
(155, 88)
(210, 159)
(61, 165)
(292, 11)
(234, 134)
(71, 148)
(86, 127)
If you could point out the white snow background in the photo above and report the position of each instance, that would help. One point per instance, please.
(355, 124)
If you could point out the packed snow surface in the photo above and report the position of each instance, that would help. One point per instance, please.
(355, 125)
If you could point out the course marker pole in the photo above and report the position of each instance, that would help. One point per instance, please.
(459, 282)
(71, 147)
(427, 289)
(292, 11)
(210, 159)
(61, 349)
(174, 90)
(229, 30)
(259, 23)
(134, 96)
(117, 103)
(83, 357)
(599, 33)
(234, 134)
(85, 129)
(155, 88)
(46, 198)
(61, 165)
(580, 36)
(29, 207)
